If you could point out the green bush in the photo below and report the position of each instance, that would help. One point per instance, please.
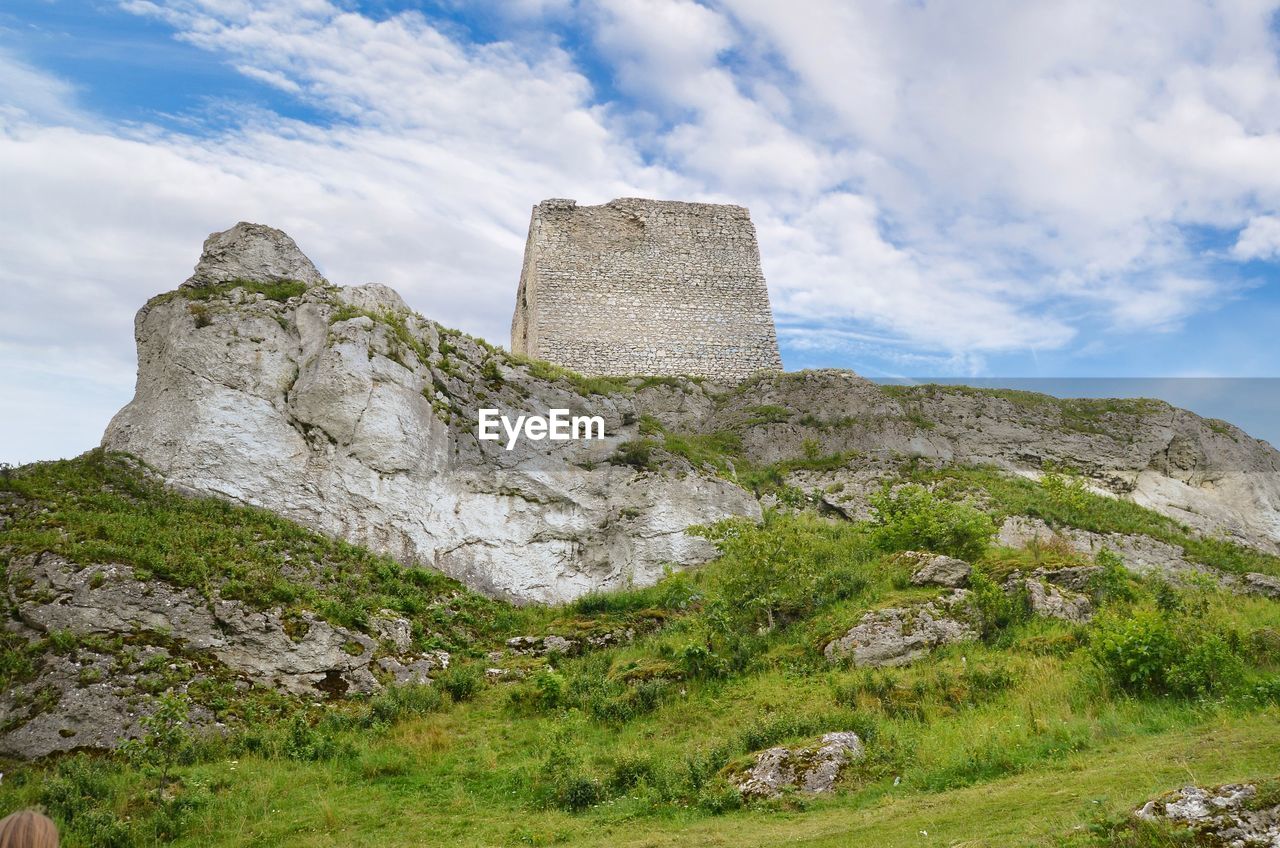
(1113, 582)
(997, 609)
(561, 779)
(638, 453)
(719, 797)
(462, 682)
(544, 692)
(698, 661)
(782, 569)
(914, 518)
(1135, 651)
(1263, 646)
(309, 743)
(400, 702)
(1153, 650)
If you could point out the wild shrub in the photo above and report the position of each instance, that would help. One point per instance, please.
(462, 682)
(1263, 647)
(561, 780)
(719, 796)
(997, 609)
(698, 661)
(1113, 583)
(306, 742)
(782, 569)
(396, 703)
(618, 702)
(638, 453)
(1135, 651)
(914, 518)
(491, 373)
(1266, 691)
(631, 770)
(1155, 650)
(167, 739)
(92, 808)
(75, 786)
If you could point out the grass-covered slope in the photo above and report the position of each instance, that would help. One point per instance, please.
(1042, 733)
(104, 508)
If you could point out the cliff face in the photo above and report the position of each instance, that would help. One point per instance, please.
(1209, 475)
(345, 411)
(342, 410)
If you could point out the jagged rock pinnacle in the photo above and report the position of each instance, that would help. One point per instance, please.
(253, 252)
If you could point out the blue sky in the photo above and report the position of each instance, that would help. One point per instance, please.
(974, 189)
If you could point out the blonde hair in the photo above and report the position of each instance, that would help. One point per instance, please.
(28, 829)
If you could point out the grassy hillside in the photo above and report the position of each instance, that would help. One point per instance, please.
(1043, 733)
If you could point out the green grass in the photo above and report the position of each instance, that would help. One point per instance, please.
(1019, 739)
(583, 385)
(279, 291)
(1084, 415)
(100, 508)
(1063, 502)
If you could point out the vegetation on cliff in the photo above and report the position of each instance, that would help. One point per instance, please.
(1043, 732)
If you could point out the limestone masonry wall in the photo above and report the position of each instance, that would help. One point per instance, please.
(645, 287)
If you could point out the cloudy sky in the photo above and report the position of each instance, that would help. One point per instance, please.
(971, 188)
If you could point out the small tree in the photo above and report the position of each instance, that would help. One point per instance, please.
(167, 736)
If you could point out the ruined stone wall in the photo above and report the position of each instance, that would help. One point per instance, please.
(645, 287)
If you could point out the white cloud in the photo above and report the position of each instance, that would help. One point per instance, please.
(1260, 239)
(933, 184)
(25, 90)
(1080, 136)
(425, 185)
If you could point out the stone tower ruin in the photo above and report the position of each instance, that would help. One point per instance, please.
(645, 287)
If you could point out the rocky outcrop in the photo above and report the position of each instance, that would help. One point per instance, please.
(812, 769)
(107, 600)
(342, 410)
(937, 570)
(84, 695)
(1050, 599)
(1142, 555)
(252, 252)
(901, 635)
(1261, 584)
(1208, 475)
(76, 702)
(1234, 815)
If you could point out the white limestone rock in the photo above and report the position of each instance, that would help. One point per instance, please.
(1051, 600)
(938, 570)
(901, 635)
(253, 253)
(362, 428)
(107, 600)
(1206, 474)
(1226, 815)
(811, 769)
